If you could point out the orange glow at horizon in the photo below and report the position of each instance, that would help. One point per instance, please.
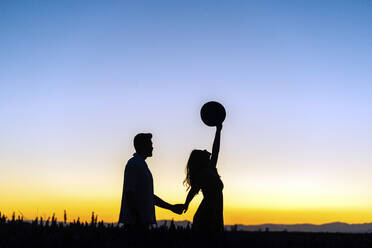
(107, 209)
(231, 216)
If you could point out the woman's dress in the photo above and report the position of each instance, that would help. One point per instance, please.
(209, 216)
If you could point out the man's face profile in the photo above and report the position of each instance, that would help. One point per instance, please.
(148, 148)
(143, 144)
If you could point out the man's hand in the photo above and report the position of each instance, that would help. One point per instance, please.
(177, 208)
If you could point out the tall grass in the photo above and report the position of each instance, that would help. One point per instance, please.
(49, 232)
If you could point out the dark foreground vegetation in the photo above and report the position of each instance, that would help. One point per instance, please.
(15, 232)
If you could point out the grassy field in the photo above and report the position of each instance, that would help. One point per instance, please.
(15, 232)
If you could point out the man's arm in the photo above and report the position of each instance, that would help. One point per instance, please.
(176, 208)
(130, 197)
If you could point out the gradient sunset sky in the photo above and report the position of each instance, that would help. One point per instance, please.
(78, 79)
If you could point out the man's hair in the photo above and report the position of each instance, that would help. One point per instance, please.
(141, 139)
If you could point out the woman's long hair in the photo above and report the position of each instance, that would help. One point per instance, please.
(198, 160)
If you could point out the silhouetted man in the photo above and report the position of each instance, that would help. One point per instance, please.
(137, 205)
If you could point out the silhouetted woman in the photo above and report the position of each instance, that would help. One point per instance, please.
(201, 174)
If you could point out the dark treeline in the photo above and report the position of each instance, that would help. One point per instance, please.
(15, 232)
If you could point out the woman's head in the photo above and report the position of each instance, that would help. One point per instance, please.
(198, 160)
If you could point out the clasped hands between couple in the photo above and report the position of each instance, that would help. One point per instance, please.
(175, 208)
(178, 208)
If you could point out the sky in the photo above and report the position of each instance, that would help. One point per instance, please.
(78, 79)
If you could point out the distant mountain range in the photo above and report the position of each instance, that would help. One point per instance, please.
(329, 227)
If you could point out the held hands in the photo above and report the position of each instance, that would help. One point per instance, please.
(177, 208)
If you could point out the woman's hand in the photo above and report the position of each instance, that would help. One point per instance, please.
(185, 207)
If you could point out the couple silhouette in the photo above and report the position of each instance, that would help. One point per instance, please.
(138, 200)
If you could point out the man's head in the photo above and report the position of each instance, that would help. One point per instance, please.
(143, 144)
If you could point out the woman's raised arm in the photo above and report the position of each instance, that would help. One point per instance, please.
(216, 146)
